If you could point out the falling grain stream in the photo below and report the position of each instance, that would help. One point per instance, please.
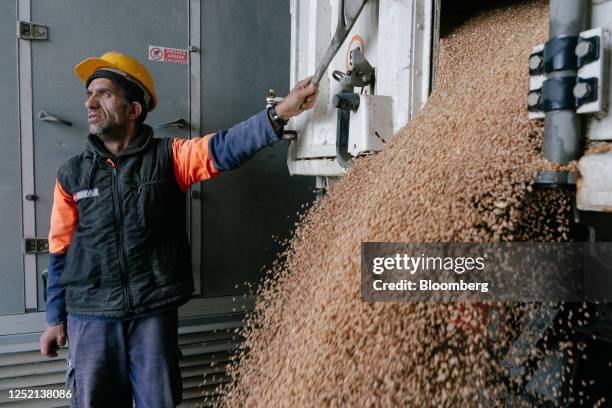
(460, 171)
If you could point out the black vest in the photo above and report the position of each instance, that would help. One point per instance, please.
(129, 252)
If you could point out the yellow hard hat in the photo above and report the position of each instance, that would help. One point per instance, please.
(117, 61)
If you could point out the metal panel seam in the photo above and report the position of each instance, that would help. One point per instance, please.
(24, 56)
(194, 212)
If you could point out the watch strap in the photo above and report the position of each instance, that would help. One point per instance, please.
(276, 118)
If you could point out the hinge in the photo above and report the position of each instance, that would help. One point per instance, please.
(35, 245)
(27, 30)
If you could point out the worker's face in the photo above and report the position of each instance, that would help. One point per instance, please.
(107, 109)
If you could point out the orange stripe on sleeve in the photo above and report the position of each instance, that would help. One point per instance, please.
(192, 161)
(64, 219)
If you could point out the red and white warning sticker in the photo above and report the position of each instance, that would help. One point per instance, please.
(164, 54)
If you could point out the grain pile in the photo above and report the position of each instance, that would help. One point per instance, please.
(461, 171)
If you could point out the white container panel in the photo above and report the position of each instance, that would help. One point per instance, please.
(394, 36)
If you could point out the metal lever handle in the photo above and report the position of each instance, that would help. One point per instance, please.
(46, 117)
(345, 102)
(179, 123)
(347, 15)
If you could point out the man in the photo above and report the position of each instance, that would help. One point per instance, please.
(120, 263)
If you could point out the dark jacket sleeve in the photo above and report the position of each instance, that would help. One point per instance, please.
(56, 304)
(233, 147)
(64, 219)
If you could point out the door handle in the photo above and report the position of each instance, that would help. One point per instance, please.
(45, 277)
(46, 117)
(179, 123)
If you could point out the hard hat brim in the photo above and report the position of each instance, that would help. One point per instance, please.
(87, 67)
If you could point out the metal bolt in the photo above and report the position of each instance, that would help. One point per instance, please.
(271, 98)
(195, 194)
(535, 62)
(582, 90)
(583, 48)
(42, 245)
(193, 48)
(533, 99)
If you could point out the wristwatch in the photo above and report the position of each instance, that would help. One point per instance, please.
(275, 117)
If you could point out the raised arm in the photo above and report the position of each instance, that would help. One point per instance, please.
(205, 157)
(202, 158)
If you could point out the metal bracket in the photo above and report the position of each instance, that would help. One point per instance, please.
(27, 30)
(582, 92)
(590, 89)
(35, 245)
(536, 81)
(344, 102)
(559, 54)
(361, 73)
(557, 93)
(556, 179)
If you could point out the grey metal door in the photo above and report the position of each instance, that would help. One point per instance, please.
(247, 212)
(84, 28)
(12, 299)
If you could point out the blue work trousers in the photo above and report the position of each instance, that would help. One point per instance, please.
(109, 363)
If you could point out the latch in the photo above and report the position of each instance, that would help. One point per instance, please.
(35, 245)
(27, 30)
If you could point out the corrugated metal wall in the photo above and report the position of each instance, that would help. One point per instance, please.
(206, 350)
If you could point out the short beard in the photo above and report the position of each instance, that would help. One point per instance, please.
(109, 133)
